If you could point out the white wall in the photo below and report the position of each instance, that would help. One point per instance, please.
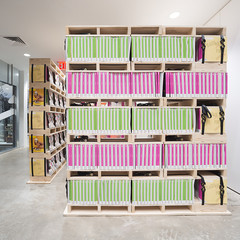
(229, 17)
(23, 92)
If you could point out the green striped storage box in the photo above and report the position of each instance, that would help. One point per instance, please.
(82, 120)
(147, 120)
(82, 192)
(165, 192)
(163, 48)
(114, 192)
(178, 120)
(98, 48)
(114, 120)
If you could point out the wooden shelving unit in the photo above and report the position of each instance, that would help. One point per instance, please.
(77, 170)
(47, 95)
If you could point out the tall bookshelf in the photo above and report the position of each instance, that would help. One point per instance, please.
(133, 134)
(46, 124)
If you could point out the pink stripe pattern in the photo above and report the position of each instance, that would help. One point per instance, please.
(196, 84)
(195, 156)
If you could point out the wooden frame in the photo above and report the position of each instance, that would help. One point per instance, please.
(47, 132)
(138, 66)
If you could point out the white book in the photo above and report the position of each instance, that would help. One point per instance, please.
(175, 156)
(224, 85)
(161, 182)
(172, 165)
(181, 129)
(187, 43)
(169, 49)
(188, 120)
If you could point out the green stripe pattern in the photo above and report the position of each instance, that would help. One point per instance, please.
(98, 48)
(147, 120)
(82, 120)
(167, 192)
(114, 120)
(114, 192)
(117, 120)
(178, 120)
(163, 48)
(98, 120)
(82, 192)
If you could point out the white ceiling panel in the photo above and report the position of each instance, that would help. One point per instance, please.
(41, 24)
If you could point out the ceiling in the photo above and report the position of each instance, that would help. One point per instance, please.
(41, 24)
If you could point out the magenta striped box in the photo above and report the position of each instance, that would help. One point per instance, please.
(148, 156)
(195, 156)
(80, 84)
(194, 84)
(82, 156)
(112, 84)
(116, 156)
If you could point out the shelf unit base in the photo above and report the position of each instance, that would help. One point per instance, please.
(47, 179)
(130, 210)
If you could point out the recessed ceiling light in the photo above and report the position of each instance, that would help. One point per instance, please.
(26, 55)
(174, 15)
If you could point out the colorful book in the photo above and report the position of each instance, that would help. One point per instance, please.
(82, 120)
(38, 97)
(81, 84)
(82, 156)
(178, 120)
(148, 156)
(114, 192)
(196, 84)
(82, 192)
(147, 120)
(163, 48)
(98, 48)
(195, 156)
(116, 156)
(37, 144)
(147, 84)
(112, 84)
(163, 192)
(114, 120)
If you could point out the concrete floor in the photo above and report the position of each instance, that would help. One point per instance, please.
(36, 212)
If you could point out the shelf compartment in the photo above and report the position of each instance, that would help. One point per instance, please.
(179, 66)
(210, 31)
(212, 102)
(100, 66)
(179, 173)
(147, 66)
(148, 138)
(179, 138)
(143, 30)
(81, 66)
(49, 131)
(48, 85)
(48, 154)
(210, 67)
(209, 138)
(78, 30)
(114, 66)
(114, 30)
(180, 102)
(179, 31)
